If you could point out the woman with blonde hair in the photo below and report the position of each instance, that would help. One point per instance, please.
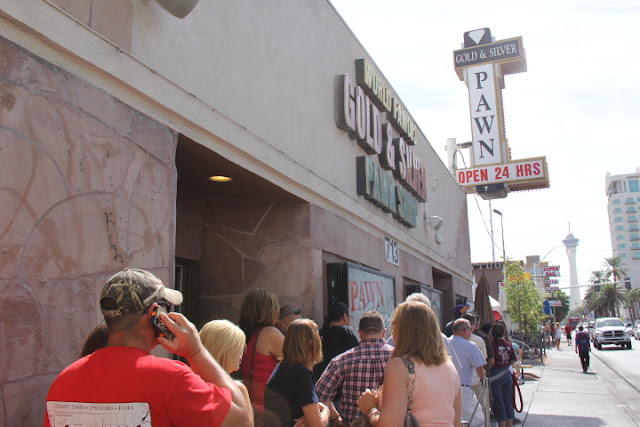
(226, 343)
(291, 391)
(435, 387)
(258, 316)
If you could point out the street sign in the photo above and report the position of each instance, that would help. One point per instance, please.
(555, 303)
(551, 271)
(552, 288)
(551, 282)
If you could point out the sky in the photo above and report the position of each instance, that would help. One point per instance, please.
(574, 105)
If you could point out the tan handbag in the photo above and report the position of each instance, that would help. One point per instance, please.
(409, 419)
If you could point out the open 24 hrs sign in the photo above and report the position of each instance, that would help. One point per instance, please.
(527, 170)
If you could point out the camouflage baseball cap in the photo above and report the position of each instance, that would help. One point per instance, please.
(132, 291)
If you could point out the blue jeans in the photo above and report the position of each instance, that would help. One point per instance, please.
(502, 392)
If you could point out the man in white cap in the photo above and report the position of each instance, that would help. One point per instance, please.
(123, 381)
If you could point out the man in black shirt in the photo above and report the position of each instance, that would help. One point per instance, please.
(337, 336)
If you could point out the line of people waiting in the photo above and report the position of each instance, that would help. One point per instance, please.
(279, 356)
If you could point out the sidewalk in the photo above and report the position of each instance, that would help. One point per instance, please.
(564, 396)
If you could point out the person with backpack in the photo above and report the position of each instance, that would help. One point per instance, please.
(583, 347)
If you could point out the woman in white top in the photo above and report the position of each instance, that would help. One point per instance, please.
(437, 398)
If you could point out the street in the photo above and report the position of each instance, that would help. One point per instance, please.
(617, 367)
(566, 396)
(623, 361)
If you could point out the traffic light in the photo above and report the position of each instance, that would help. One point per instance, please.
(596, 286)
(627, 284)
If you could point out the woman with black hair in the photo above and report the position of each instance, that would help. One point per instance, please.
(501, 384)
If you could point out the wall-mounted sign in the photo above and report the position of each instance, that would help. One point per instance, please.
(482, 64)
(362, 289)
(504, 51)
(486, 120)
(551, 271)
(381, 125)
(391, 251)
(523, 170)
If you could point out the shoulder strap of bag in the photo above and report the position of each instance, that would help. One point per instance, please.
(253, 355)
(412, 381)
(515, 387)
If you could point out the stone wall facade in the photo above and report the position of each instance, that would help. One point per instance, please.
(87, 187)
(242, 245)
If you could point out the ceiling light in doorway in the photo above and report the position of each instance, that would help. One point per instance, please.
(220, 178)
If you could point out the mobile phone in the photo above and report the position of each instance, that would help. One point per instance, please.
(157, 324)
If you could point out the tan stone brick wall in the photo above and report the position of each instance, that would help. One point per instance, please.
(87, 187)
(244, 245)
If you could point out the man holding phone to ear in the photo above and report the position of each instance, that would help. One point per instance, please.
(123, 381)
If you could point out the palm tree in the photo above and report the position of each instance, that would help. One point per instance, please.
(592, 299)
(633, 300)
(594, 302)
(612, 297)
(598, 276)
(615, 267)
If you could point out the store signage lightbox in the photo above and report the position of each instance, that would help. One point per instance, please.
(362, 289)
(482, 64)
(551, 271)
(523, 170)
(391, 176)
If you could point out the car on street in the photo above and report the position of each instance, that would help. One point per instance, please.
(610, 330)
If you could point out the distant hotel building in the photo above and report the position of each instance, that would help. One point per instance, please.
(623, 192)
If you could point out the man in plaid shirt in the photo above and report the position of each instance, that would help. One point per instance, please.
(355, 370)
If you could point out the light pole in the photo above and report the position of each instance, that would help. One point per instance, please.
(536, 277)
(536, 264)
(504, 256)
(501, 292)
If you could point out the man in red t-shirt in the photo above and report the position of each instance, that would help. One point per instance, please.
(124, 384)
(567, 332)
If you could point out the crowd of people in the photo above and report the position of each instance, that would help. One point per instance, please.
(288, 371)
